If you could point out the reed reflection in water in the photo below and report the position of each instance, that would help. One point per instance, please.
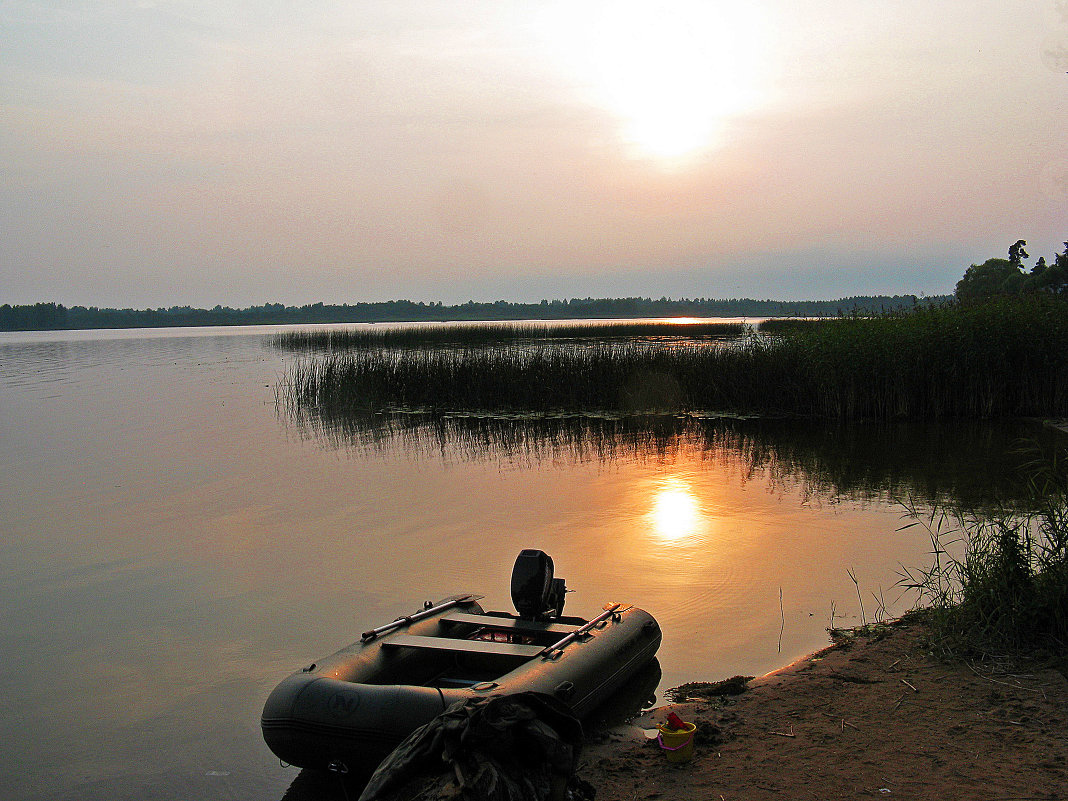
(957, 462)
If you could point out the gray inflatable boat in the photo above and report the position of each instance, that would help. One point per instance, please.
(351, 709)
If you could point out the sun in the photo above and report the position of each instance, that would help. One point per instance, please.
(671, 73)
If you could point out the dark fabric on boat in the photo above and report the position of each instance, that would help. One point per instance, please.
(521, 747)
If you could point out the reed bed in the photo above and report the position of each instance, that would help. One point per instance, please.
(1003, 359)
(469, 335)
(780, 325)
(602, 377)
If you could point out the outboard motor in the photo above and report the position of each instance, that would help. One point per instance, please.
(535, 593)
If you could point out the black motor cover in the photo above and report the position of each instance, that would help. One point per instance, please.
(535, 593)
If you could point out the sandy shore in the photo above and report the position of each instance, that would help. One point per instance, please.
(878, 716)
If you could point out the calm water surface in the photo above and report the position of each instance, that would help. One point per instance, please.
(173, 545)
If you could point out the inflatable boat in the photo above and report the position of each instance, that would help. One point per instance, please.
(348, 711)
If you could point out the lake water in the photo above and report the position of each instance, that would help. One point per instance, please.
(172, 544)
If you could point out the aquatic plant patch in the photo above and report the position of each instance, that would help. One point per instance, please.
(1007, 358)
(475, 335)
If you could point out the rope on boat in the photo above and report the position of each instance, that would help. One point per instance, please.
(339, 769)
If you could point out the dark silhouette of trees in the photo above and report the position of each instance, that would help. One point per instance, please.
(992, 277)
(1017, 253)
(51, 315)
(1007, 277)
(38, 317)
(1052, 278)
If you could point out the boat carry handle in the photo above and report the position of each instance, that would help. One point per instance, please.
(548, 650)
(430, 611)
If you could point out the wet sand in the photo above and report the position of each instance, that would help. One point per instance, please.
(876, 716)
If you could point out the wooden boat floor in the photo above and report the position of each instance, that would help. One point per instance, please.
(513, 623)
(462, 646)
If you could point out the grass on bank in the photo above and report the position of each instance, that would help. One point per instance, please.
(1006, 358)
(998, 582)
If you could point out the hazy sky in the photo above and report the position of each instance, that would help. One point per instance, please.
(214, 151)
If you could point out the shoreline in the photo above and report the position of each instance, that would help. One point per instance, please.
(873, 715)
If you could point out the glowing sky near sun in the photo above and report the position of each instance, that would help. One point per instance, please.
(673, 74)
(159, 152)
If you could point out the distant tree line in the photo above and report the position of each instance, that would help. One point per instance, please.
(1008, 277)
(54, 316)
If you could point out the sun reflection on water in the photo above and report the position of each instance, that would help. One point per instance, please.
(675, 513)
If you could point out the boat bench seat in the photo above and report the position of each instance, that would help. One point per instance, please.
(462, 646)
(509, 623)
